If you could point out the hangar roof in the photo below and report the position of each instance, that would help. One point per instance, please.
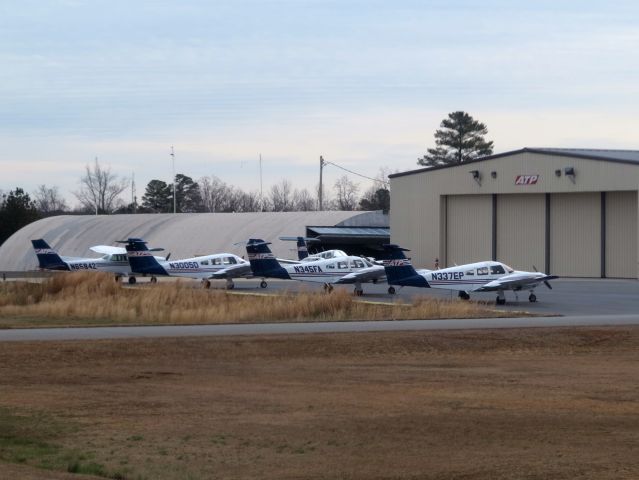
(616, 156)
(183, 235)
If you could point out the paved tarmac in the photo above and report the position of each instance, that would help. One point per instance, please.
(567, 297)
(571, 302)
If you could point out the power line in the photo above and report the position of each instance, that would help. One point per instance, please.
(355, 173)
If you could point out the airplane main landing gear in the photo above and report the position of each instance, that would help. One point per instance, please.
(229, 284)
(206, 283)
(132, 280)
(532, 298)
(154, 280)
(501, 298)
(328, 288)
(464, 295)
(358, 292)
(263, 284)
(391, 290)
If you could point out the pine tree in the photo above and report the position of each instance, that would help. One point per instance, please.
(16, 210)
(459, 139)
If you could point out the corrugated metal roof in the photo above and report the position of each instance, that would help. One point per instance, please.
(606, 155)
(183, 235)
(352, 231)
(600, 154)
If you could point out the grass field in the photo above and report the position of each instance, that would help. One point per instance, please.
(95, 299)
(529, 404)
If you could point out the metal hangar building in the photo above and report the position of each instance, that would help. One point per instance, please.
(568, 212)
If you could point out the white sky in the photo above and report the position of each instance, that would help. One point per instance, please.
(365, 83)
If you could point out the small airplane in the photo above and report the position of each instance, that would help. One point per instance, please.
(486, 276)
(218, 266)
(302, 251)
(113, 260)
(329, 271)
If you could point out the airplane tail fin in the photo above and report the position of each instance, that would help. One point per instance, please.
(399, 270)
(48, 258)
(140, 258)
(302, 249)
(263, 262)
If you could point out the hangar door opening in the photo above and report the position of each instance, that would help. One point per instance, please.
(468, 228)
(521, 230)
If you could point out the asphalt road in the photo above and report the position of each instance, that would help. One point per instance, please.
(102, 333)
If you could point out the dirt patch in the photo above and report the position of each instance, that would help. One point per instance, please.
(531, 404)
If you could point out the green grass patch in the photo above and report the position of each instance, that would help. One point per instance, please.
(36, 439)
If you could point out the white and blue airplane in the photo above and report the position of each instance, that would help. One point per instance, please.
(113, 260)
(225, 266)
(329, 271)
(488, 276)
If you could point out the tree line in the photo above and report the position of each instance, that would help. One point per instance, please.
(459, 139)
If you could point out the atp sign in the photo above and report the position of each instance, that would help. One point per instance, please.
(526, 179)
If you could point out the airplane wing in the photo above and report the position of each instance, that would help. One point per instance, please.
(108, 250)
(515, 282)
(287, 261)
(369, 274)
(234, 271)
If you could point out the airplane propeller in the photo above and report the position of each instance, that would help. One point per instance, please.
(546, 282)
(168, 256)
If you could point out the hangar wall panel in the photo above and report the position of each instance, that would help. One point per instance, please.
(621, 234)
(415, 219)
(521, 223)
(469, 229)
(575, 234)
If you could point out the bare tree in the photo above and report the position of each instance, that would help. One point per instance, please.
(215, 194)
(303, 201)
(346, 192)
(48, 200)
(281, 196)
(99, 189)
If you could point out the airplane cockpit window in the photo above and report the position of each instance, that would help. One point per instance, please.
(357, 264)
(342, 265)
(497, 270)
(508, 269)
(228, 260)
(482, 271)
(232, 261)
(204, 262)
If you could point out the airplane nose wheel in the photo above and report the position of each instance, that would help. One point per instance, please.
(263, 284)
(154, 280)
(132, 280)
(391, 290)
(532, 298)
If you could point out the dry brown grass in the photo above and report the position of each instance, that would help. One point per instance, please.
(97, 299)
(534, 404)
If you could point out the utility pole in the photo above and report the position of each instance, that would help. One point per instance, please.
(261, 191)
(322, 163)
(133, 198)
(173, 170)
